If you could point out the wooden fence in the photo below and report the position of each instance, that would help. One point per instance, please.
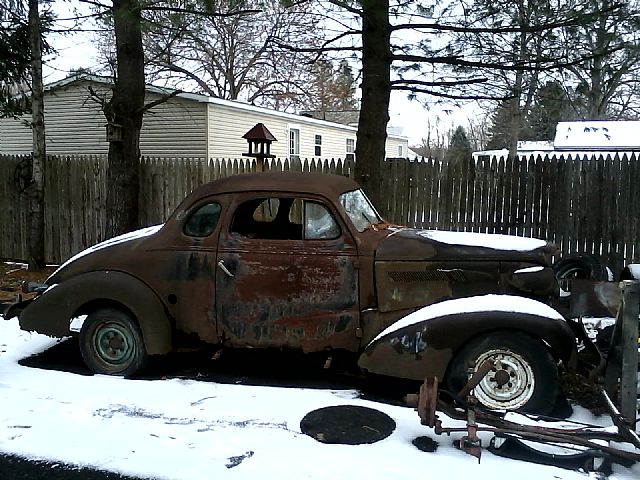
(585, 204)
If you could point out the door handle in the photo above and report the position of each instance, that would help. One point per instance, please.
(224, 268)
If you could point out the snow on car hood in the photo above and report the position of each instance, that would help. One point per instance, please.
(489, 240)
(143, 232)
(482, 303)
(416, 245)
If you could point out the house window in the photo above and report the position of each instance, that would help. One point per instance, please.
(400, 151)
(318, 146)
(294, 143)
(351, 149)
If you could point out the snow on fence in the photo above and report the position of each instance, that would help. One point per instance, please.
(584, 203)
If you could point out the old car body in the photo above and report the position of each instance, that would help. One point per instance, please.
(301, 261)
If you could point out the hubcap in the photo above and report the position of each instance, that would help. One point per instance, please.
(509, 385)
(114, 343)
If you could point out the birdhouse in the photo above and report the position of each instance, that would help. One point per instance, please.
(259, 139)
(114, 132)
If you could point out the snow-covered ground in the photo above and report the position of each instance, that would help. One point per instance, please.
(185, 429)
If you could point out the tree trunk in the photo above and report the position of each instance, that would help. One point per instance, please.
(376, 88)
(520, 57)
(36, 258)
(125, 110)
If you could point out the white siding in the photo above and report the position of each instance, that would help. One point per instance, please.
(228, 123)
(392, 150)
(15, 137)
(185, 126)
(75, 125)
(177, 127)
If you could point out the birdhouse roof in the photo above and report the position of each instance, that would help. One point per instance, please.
(259, 132)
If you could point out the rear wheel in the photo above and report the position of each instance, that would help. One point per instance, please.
(524, 378)
(111, 343)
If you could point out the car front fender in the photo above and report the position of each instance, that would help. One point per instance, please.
(415, 348)
(51, 312)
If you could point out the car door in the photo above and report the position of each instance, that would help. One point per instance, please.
(191, 269)
(287, 275)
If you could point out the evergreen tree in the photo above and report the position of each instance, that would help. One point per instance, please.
(15, 59)
(459, 146)
(551, 105)
(499, 131)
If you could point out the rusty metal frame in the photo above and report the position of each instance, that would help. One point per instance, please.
(583, 435)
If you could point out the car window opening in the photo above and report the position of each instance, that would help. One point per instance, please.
(284, 218)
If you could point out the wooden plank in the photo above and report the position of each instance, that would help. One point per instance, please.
(496, 199)
(526, 198)
(624, 201)
(484, 196)
(421, 186)
(466, 193)
(435, 181)
(404, 191)
(634, 208)
(518, 195)
(393, 204)
(494, 202)
(545, 188)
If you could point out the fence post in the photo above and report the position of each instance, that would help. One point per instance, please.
(629, 349)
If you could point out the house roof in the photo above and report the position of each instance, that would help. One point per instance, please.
(597, 135)
(346, 117)
(196, 97)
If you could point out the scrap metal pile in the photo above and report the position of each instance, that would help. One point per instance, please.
(549, 440)
(534, 438)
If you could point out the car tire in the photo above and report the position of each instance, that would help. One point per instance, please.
(525, 378)
(580, 266)
(111, 343)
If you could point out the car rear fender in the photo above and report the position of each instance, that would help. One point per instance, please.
(424, 348)
(52, 311)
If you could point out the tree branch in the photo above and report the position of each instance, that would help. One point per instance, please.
(449, 95)
(161, 100)
(443, 83)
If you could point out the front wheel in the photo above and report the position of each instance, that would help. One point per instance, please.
(111, 343)
(525, 376)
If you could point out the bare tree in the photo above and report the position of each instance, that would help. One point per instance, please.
(331, 89)
(607, 84)
(233, 56)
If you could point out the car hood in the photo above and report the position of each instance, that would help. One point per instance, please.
(436, 245)
(102, 256)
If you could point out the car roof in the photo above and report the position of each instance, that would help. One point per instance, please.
(326, 184)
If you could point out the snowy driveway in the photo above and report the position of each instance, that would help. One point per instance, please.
(186, 429)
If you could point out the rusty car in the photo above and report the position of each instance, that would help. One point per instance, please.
(292, 260)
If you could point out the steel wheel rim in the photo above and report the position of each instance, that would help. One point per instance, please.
(510, 385)
(114, 343)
